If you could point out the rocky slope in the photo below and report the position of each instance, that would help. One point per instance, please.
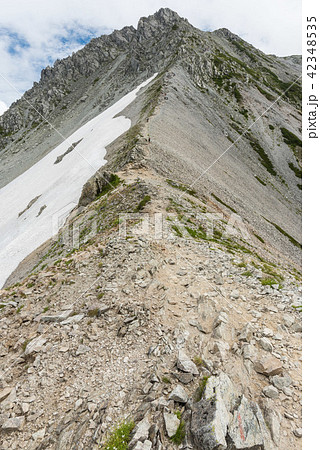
(186, 323)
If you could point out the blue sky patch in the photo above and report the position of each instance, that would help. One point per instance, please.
(17, 43)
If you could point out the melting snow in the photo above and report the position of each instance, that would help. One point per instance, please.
(54, 189)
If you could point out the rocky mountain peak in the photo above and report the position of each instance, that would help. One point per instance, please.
(227, 34)
(162, 19)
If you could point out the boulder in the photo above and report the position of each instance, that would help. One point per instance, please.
(288, 320)
(13, 424)
(179, 395)
(171, 423)
(146, 445)
(273, 421)
(63, 315)
(271, 391)
(266, 344)
(281, 382)
(140, 432)
(246, 333)
(244, 430)
(185, 364)
(4, 393)
(268, 366)
(209, 423)
(211, 416)
(297, 432)
(249, 352)
(35, 346)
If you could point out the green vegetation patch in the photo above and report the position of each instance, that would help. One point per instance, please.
(181, 187)
(260, 181)
(178, 437)
(223, 203)
(120, 436)
(152, 96)
(236, 93)
(267, 95)
(113, 182)
(290, 138)
(296, 170)
(243, 49)
(146, 199)
(166, 380)
(247, 274)
(202, 385)
(259, 237)
(270, 282)
(291, 239)
(265, 160)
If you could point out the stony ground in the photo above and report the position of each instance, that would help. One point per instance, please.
(95, 339)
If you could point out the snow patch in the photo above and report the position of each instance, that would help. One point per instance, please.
(57, 186)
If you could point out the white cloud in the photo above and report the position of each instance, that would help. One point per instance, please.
(271, 25)
(3, 107)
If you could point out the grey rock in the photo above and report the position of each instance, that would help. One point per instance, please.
(82, 349)
(271, 391)
(277, 337)
(185, 364)
(267, 332)
(249, 352)
(246, 333)
(235, 295)
(4, 393)
(221, 349)
(273, 421)
(73, 319)
(297, 432)
(209, 423)
(171, 423)
(244, 430)
(218, 280)
(39, 435)
(58, 317)
(184, 378)
(141, 431)
(221, 318)
(297, 327)
(35, 346)
(14, 424)
(288, 320)
(287, 391)
(220, 332)
(211, 416)
(281, 382)
(146, 445)
(266, 344)
(179, 395)
(265, 432)
(268, 366)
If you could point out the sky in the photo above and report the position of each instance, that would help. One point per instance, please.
(34, 33)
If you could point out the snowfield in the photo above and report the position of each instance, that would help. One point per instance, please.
(53, 190)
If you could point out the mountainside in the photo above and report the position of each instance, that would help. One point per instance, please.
(151, 246)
